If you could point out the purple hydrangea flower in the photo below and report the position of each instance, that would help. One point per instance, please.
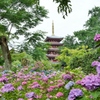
(98, 69)
(3, 79)
(95, 63)
(20, 87)
(97, 37)
(7, 88)
(31, 95)
(69, 85)
(66, 76)
(75, 93)
(36, 86)
(90, 82)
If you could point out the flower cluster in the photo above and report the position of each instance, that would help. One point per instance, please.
(90, 82)
(74, 93)
(66, 76)
(69, 85)
(33, 85)
(97, 37)
(31, 95)
(7, 88)
(3, 79)
(98, 70)
(95, 63)
(59, 94)
(20, 88)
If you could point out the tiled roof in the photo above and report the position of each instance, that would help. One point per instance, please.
(53, 37)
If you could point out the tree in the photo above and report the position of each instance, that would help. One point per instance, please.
(20, 15)
(92, 27)
(70, 42)
(64, 7)
(35, 46)
(1, 58)
(85, 37)
(93, 22)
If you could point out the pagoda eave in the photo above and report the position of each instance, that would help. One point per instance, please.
(51, 56)
(53, 38)
(56, 43)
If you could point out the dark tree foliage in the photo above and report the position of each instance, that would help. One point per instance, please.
(92, 26)
(70, 42)
(64, 7)
(20, 15)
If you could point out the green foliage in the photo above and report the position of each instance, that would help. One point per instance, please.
(15, 66)
(85, 61)
(70, 42)
(80, 57)
(64, 7)
(21, 16)
(38, 54)
(95, 94)
(17, 14)
(35, 46)
(94, 21)
(47, 65)
(1, 58)
(67, 54)
(86, 36)
(19, 57)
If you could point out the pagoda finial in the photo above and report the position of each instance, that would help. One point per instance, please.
(52, 28)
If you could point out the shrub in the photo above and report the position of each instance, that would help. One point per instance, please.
(80, 57)
(84, 61)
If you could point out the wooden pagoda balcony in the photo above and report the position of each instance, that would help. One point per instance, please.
(51, 55)
(53, 49)
(56, 43)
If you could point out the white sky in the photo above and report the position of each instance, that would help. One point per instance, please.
(74, 22)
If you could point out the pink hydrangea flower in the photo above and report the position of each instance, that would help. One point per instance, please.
(20, 88)
(24, 83)
(66, 76)
(3, 79)
(50, 89)
(1, 67)
(45, 79)
(30, 99)
(59, 94)
(97, 37)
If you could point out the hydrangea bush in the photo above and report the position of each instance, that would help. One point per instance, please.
(56, 85)
(27, 84)
(32, 85)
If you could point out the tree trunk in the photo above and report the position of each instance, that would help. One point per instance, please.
(5, 52)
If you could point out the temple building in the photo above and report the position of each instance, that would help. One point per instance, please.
(53, 51)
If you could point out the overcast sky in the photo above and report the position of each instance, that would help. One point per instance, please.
(74, 22)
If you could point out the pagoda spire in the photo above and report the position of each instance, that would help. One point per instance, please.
(52, 28)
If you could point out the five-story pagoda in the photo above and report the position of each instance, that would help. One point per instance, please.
(53, 51)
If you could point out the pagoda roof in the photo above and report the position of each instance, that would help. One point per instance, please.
(54, 38)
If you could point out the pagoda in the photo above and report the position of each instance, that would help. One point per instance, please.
(54, 41)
